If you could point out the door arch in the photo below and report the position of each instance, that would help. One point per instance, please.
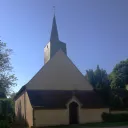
(73, 113)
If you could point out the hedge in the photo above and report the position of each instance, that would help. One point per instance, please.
(4, 124)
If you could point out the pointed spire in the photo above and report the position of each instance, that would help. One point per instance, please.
(54, 32)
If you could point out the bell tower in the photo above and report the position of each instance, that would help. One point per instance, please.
(55, 44)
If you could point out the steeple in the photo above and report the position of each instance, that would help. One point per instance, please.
(54, 32)
(54, 44)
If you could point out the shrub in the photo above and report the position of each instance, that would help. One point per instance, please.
(7, 110)
(108, 117)
(4, 124)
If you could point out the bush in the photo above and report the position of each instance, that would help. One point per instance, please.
(4, 124)
(107, 117)
(7, 110)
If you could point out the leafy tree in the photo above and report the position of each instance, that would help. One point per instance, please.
(98, 78)
(100, 81)
(91, 77)
(117, 79)
(119, 75)
(12, 95)
(7, 110)
(106, 94)
(7, 78)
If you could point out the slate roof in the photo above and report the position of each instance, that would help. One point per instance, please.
(58, 99)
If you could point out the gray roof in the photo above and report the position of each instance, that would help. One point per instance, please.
(58, 98)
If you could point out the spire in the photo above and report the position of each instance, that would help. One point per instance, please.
(54, 32)
(54, 44)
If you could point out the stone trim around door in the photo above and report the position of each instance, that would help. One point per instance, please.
(73, 107)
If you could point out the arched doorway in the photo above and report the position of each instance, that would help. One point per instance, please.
(73, 113)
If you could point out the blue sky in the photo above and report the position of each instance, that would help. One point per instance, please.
(95, 31)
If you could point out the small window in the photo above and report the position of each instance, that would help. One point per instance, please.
(47, 46)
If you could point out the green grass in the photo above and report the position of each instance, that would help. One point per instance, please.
(102, 124)
(106, 124)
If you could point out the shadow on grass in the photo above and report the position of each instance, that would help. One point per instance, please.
(101, 124)
(105, 124)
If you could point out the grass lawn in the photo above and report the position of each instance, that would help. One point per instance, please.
(88, 125)
(106, 124)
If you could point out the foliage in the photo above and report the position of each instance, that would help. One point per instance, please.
(108, 117)
(12, 95)
(119, 75)
(101, 82)
(7, 79)
(105, 124)
(105, 93)
(4, 124)
(113, 100)
(98, 78)
(116, 102)
(7, 110)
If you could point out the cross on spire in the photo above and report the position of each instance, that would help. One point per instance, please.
(54, 9)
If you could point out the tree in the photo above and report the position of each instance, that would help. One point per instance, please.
(12, 95)
(91, 77)
(7, 110)
(98, 78)
(119, 75)
(7, 78)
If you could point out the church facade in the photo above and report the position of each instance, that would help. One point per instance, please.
(58, 94)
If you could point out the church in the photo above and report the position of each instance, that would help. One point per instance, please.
(58, 94)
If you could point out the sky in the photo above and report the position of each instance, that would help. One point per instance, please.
(95, 31)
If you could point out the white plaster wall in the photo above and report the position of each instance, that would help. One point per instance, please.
(59, 74)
